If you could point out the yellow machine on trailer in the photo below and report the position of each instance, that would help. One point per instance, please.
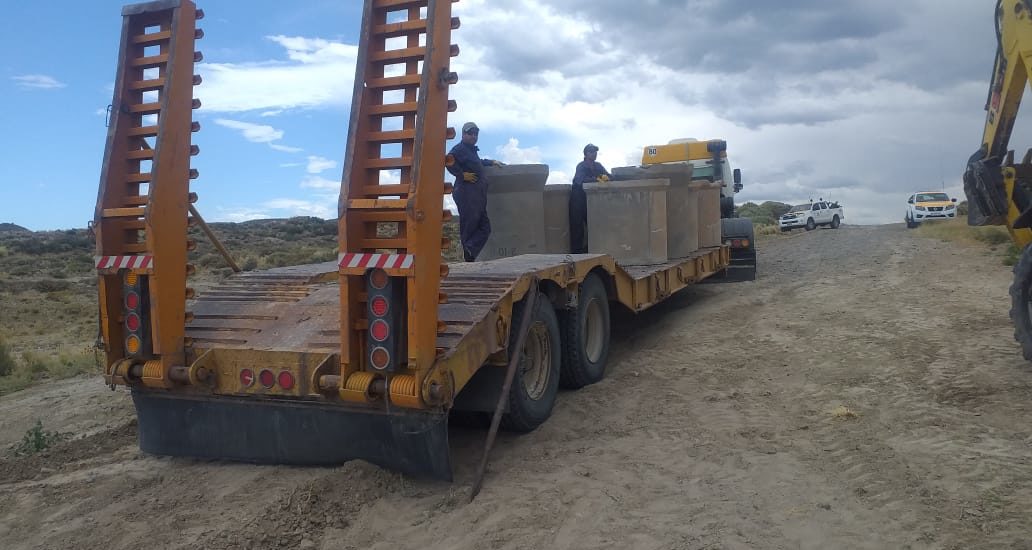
(360, 358)
(999, 192)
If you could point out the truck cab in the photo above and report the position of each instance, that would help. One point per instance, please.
(709, 161)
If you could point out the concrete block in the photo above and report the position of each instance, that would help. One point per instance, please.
(515, 206)
(709, 212)
(628, 220)
(557, 218)
(682, 203)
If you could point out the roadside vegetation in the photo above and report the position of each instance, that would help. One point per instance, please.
(995, 237)
(48, 287)
(764, 216)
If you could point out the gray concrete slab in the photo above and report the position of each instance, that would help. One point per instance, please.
(709, 212)
(515, 206)
(682, 203)
(628, 220)
(557, 218)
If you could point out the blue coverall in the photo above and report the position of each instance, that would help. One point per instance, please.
(586, 172)
(471, 199)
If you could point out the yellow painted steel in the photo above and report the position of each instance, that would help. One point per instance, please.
(678, 152)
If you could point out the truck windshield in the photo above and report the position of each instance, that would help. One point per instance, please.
(933, 197)
(800, 208)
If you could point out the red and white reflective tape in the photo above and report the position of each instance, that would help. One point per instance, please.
(380, 261)
(124, 262)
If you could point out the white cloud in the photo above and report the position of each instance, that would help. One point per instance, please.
(511, 153)
(318, 165)
(316, 73)
(37, 82)
(285, 148)
(318, 182)
(257, 133)
(290, 165)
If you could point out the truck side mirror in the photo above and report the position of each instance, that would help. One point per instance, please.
(738, 179)
(910, 200)
(954, 199)
(738, 187)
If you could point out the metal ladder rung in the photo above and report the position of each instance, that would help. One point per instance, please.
(143, 131)
(148, 85)
(383, 243)
(123, 212)
(398, 56)
(396, 216)
(145, 108)
(388, 189)
(390, 163)
(394, 109)
(135, 248)
(395, 82)
(138, 178)
(141, 154)
(378, 204)
(150, 62)
(394, 5)
(394, 30)
(396, 136)
(138, 200)
(153, 38)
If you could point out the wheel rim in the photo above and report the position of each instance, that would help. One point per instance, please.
(535, 365)
(593, 331)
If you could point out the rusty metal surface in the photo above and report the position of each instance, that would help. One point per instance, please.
(642, 271)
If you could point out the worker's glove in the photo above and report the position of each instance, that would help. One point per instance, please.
(603, 178)
(469, 177)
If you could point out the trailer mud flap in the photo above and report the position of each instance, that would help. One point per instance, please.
(269, 432)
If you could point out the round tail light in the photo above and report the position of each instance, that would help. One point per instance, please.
(247, 378)
(379, 358)
(132, 322)
(132, 344)
(378, 279)
(132, 300)
(379, 330)
(286, 380)
(379, 306)
(266, 378)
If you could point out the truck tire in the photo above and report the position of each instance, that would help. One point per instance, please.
(810, 224)
(536, 382)
(586, 336)
(1021, 302)
(835, 223)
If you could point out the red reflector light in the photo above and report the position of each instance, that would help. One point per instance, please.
(379, 306)
(379, 330)
(736, 243)
(286, 380)
(132, 300)
(247, 378)
(132, 322)
(378, 279)
(379, 358)
(267, 378)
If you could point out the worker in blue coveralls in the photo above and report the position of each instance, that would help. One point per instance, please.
(470, 192)
(587, 171)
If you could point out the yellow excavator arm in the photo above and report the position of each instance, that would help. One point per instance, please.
(998, 191)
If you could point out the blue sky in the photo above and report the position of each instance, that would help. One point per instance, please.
(849, 100)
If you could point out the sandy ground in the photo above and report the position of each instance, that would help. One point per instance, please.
(865, 392)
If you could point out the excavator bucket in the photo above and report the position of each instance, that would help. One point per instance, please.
(270, 432)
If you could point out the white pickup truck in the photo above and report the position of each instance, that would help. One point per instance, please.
(812, 215)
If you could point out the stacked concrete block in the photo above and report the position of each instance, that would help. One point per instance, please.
(709, 212)
(557, 218)
(515, 206)
(682, 203)
(628, 220)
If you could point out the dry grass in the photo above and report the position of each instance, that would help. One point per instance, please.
(957, 230)
(843, 412)
(48, 287)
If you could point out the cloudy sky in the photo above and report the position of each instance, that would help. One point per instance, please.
(863, 101)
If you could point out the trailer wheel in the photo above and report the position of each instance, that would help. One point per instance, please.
(536, 382)
(586, 336)
(1021, 302)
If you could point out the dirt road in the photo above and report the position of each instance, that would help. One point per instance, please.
(866, 392)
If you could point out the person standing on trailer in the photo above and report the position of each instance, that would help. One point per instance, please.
(588, 170)
(470, 192)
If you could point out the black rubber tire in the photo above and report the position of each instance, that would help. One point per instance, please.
(525, 412)
(810, 225)
(835, 223)
(1021, 307)
(578, 369)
